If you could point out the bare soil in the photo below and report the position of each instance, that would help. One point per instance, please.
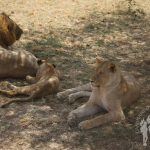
(71, 33)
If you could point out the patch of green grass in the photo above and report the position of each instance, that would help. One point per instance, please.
(44, 54)
(28, 45)
(100, 43)
(50, 40)
(100, 27)
(110, 44)
(117, 21)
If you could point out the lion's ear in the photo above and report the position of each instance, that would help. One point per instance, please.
(3, 13)
(112, 67)
(40, 61)
(47, 60)
(98, 60)
(51, 66)
(10, 27)
(54, 65)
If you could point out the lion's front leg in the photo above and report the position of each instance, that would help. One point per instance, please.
(82, 111)
(30, 79)
(102, 119)
(66, 93)
(74, 96)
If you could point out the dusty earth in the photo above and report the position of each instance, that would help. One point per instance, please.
(72, 33)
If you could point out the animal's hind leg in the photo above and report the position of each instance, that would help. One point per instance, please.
(115, 115)
(74, 96)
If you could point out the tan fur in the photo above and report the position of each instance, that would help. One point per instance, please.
(75, 93)
(9, 31)
(112, 90)
(17, 64)
(46, 82)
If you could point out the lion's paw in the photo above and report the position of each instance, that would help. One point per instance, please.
(84, 125)
(61, 95)
(72, 119)
(28, 78)
(72, 98)
(6, 85)
(10, 86)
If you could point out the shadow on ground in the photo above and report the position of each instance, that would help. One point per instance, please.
(119, 36)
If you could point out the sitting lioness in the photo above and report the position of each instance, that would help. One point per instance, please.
(17, 64)
(45, 82)
(112, 90)
(9, 31)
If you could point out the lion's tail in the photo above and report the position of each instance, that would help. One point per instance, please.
(16, 100)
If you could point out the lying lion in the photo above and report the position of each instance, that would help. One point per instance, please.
(17, 64)
(45, 82)
(9, 31)
(110, 90)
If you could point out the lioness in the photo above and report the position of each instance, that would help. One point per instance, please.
(9, 31)
(17, 64)
(112, 90)
(45, 82)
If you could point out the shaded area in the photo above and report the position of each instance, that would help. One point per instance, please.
(117, 36)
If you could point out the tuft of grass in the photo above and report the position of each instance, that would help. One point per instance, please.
(99, 27)
(100, 43)
(50, 40)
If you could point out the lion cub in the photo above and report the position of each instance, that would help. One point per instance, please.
(112, 90)
(9, 31)
(46, 82)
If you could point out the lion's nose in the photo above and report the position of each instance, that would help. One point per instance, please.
(91, 81)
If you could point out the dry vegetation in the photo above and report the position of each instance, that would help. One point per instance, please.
(72, 33)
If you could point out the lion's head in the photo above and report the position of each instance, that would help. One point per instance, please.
(105, 72)
(46, 69)
(9, 31)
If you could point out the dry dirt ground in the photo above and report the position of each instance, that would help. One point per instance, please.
(72, 33)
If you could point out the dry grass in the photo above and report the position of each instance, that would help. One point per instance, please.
(72, 33)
